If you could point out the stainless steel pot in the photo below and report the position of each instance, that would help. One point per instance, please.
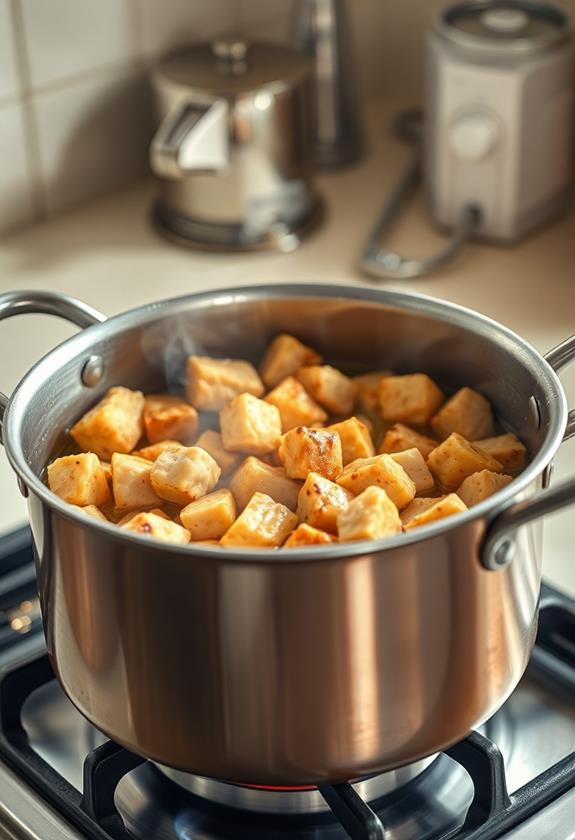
(314, 664)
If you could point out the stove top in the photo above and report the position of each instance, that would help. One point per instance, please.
(61, 778)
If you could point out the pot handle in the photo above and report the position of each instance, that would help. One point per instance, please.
(47, 303)
(498, 548)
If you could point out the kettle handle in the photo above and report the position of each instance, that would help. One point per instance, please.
(192, 138)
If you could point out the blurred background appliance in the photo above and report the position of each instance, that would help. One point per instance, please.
(498, 140)
(233, 151)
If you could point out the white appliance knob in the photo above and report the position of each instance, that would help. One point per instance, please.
(473, 136)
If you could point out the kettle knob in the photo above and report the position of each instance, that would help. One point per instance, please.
(230, 49)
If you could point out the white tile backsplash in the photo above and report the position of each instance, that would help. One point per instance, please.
(168, 24)
(9, 76)
(93, 136)
(16, 206)
(67, 37)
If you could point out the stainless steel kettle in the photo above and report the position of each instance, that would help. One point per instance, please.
(233, 151)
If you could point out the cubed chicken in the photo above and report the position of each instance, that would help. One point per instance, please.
(398, 438)
(370, 516)
(416, 467)
(481, 485)
(212, 383)
(284, 357)
(115, 424)
(446, 506)
(253, 475)
(507, 449)
(212, 442)
(263, 523)
(417, 506)
(320, 501)
(413, 398)
(355, 439)
(79, 480)
(304, 535)
(92, 511)
(167, 417)
(250, 425)
(456, 458)
(210, 517)
(329, 387)
(127, 517)
(295, 405)
(368, 423)
(107, 467)
(151, 525)
(185, 474)
(368, 389)
(304, 450)
(131, 482)
(150, 453)
(468, 413)
(383, 471)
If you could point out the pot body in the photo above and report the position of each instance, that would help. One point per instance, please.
(270, 668)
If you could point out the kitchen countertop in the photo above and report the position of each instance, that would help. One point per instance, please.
(107, 254)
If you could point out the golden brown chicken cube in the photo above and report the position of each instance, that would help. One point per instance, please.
(185, 474)
(320, 501)
(210, 517)
(262, 523)
(115, 424)
(355, 439)
(304, 534)
(253, 475)
(446, 506)
(481, 485)
(250, 425)
(92, 511)
(212, 442)
(151, 525)
(368, 389)
(167, 417)
(412, 398)
(329, 387)
(383, 471)
(212, 383)
(398, 438)
(127, 517)
(417, 506)
(131, 482)
(79, 479)
(295, 405)
(468, 413)
(150, 453)
(304, 450)
(370, 516)
(507, 449)
(456, 458)
(107, 467)
(286, 355)
(416, 467)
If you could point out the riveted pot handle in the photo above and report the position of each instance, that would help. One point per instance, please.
(498, 547)
(47, 303)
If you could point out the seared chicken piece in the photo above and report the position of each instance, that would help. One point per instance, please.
(150, 453)
(481, 485)
(370, 516)
(320, 501)
(456, 458)
(184, 475)
(151, 525)
(413, 398)
(254, 475)
(210, 517)
(304, 534)
(398, 438)
(304, 450)
(383, 471)
(417, 506)
(93, 511)
(415, 466)
(507, 449)
(468, 413)
(355, 439)
(446, 506)
(131, 482)
(79, 479)
(129, 516)
(212, 383)
(169, 418)
(295, 405)
(368, 389)
(115, 424)
(329, 387)
(284, 357)
(212, 442)
(250, 425)
(263, 523)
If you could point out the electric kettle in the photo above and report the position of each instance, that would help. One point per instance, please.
(233, 151)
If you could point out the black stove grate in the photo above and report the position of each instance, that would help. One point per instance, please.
(492, 813)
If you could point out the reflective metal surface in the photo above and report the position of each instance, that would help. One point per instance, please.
(265, 668)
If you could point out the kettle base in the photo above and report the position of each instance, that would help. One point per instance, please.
(282, 236)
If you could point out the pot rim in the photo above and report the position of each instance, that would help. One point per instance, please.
(420, 304)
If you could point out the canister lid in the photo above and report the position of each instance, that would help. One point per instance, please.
(233, 65)
(512, 25)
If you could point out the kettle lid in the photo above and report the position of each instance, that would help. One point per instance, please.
(233, 65)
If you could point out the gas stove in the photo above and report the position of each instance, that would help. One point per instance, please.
(61, 779)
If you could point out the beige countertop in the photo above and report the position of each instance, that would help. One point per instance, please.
(108, 255)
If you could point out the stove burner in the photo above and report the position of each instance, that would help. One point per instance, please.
(305, 800)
